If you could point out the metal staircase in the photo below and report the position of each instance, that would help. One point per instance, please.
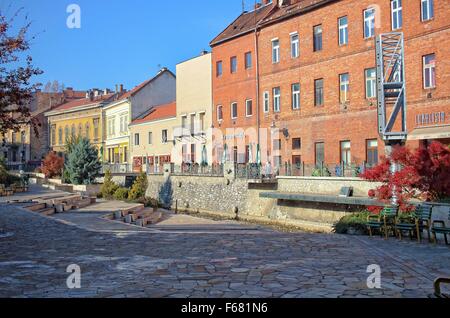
(391, 86)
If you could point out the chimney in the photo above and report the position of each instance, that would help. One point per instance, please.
(121, 88)
(117, 88)
(258, 5)
(204, 52)
(88, 94)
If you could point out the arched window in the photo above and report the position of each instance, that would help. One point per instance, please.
(88, 131)
(80, 130)
(60, 136)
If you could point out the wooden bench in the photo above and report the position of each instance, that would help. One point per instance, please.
(383, 222)
(440, 228)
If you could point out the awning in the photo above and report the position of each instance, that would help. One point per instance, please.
(437, 132)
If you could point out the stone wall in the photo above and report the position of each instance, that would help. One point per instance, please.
(324, 185)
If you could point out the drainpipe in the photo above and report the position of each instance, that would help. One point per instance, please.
(258, 120)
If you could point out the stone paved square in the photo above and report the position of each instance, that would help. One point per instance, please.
(188, 257)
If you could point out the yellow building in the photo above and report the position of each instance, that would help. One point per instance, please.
(82, 117)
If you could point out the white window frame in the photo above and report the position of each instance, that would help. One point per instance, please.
(429, 6)
(295, 45)
(343, 28)
(275, 51)
(266, 102)
(295, 97)
(232, 110)
(346, 85)
(397, 13)
(246, 107)
(371, 82)
(164, 133)
(150, 138)
(431, 68)
(231, 64)
(370, 22)
(137, 138)
(276, 99)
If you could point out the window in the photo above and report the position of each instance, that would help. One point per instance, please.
(165, 136)
(397, 14)
(202, 122)
(249, 108)
(219, 68)
(22, 136)
(371, 83)
(318, 92)
(136, 139)
(80, 130)
(184, 123)
(74, 131)
(66, 132)
(193, 124)
(193, 153)
(277, 144)
(248, 60)
(320, 153)
(295, 46)
(233, 64)
(369, 23)
(14, 137)
(53, 133)
(346, 154)
(125, 154)
(278, 161)
(344, 84)
(372, 152)
(96, 122)
(275, 51)
(296, 144)
(219, 113)
(427, 9)
(234, 111)
(87, 131)
(150, 138)
(60, 136)
(317, 38)
(429, 71)
(123, 124)
(266, 102)
(296, 96)
(343, 30)
(276, 99)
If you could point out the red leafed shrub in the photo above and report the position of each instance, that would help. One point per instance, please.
(52, 165)
(425, 175)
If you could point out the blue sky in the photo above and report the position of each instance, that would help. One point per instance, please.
(121, 41)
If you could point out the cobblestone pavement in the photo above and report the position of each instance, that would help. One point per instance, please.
(257, 263)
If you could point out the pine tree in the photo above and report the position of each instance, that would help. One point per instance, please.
(139, 188)
(83, 164)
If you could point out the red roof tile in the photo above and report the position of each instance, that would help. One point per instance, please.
(300, 6)
(82, 102)
(245, 23)
(158, 113)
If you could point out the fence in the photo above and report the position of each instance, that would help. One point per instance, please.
(116, 168)
(198, 170)
(28, 167)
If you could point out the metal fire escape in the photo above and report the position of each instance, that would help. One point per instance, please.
(391, 85)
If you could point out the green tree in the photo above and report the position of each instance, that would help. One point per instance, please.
(83, 164)
(109, 187)
(139, 188)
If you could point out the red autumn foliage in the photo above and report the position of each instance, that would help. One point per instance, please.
(52, 165)
(425, 175)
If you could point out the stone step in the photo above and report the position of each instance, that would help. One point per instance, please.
(46, 211)
(133, 217)
(36, 207)
(152, 219)
(133, 209)
(83, 203)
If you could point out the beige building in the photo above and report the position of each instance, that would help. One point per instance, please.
(194, 111)
(152, 139)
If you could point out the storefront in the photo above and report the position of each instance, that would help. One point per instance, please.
(431, 127)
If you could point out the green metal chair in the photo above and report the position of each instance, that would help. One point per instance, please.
(440, 228)
(383, 222)
(418, 221)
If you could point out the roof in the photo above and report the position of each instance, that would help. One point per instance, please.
(244, 24)
(301, 6)
(135, 90)
(264, 15)
(158, 113)
(83, 103)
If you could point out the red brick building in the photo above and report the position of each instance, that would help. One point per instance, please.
(313, 77)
